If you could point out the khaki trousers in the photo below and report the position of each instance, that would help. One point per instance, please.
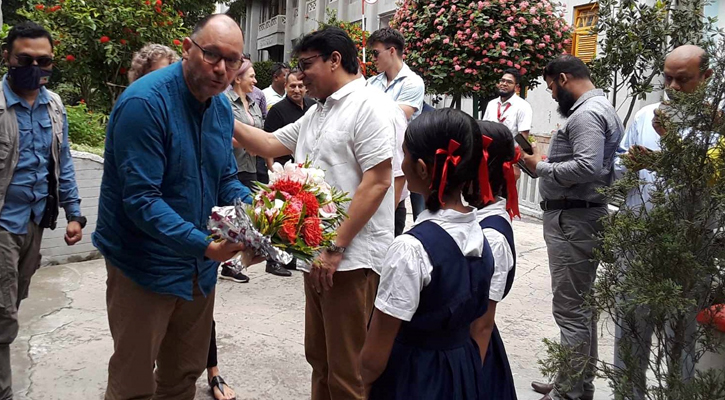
(155, 329)
(336, 324)
(19, 259)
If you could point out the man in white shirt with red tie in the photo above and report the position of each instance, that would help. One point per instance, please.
(510, 109)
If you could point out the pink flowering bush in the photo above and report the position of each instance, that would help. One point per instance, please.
(460, 47)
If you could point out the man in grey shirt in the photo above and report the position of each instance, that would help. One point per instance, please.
(580, 161)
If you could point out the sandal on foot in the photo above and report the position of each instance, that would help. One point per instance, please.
(217, 382)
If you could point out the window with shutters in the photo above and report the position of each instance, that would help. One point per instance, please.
(584, 39)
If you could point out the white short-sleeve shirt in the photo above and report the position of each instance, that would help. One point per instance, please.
(516, 113)
(407, 267)
(407, 89)
(352, 132)
(503, 257)
(272, 97)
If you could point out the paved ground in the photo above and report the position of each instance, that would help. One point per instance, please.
(64, 343)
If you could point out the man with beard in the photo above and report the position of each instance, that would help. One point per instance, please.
(168, 161)
(350, 134)
(580, 161)
(510, 109)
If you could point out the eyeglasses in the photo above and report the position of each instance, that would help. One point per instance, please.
(305, 63)
(24, 60)
(548, 87)
(376, 53)
(506, 82)
(213, 58)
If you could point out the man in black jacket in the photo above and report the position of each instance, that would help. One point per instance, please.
(288, 110)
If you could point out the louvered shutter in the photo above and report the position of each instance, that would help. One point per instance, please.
(584, 42)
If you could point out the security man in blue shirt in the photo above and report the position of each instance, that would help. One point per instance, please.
(36, 174)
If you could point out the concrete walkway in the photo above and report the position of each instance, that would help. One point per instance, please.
(64, 344)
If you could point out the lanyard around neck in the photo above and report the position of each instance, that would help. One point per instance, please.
(501, 120)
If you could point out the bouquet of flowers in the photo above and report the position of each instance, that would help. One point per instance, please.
(296, 215)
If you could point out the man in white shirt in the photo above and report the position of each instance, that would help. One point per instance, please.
(685, 69)
(404, 87)
(350, 134)
(276, 92)
(509, 108)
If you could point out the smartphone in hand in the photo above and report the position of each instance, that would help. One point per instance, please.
(524, 144)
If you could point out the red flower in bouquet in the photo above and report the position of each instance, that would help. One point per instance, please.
(312, 206)
(289, 231)
(293, 213)
(287, 185)
(312, 232)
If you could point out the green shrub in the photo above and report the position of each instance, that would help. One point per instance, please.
(86, 127)
(263, 70)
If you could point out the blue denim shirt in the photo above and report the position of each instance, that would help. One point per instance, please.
(168, 161)
(28, 189)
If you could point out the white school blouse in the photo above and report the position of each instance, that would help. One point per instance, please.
(407, 267)
(503, 257)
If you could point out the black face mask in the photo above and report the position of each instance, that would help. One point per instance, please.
(30, 77)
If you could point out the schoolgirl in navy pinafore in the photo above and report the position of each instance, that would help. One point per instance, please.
(497, 377)
(434, 356)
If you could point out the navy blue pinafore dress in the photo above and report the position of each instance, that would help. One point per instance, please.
(434, 356)
(497, 377)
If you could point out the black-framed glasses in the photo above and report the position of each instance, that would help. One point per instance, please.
(213, 58)
(24, 60)
(306, 63)
(376, 53)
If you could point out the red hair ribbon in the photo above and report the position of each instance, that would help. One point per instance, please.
(483, 181)
(512, 194)
(450, 158)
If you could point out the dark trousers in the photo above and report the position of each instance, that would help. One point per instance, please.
(247, 179)
(211, 360)
(418, 203)
(262, 175)
(400, 214)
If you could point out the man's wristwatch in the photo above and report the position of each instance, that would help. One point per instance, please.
(333, 248)
(81, 220)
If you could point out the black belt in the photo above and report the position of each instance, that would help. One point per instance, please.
(565, 204)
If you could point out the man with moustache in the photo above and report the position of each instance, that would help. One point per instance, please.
(291, 108)
(580, 161)
(685, 69)
(168, 161)
(509, 108)
(350, 134)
